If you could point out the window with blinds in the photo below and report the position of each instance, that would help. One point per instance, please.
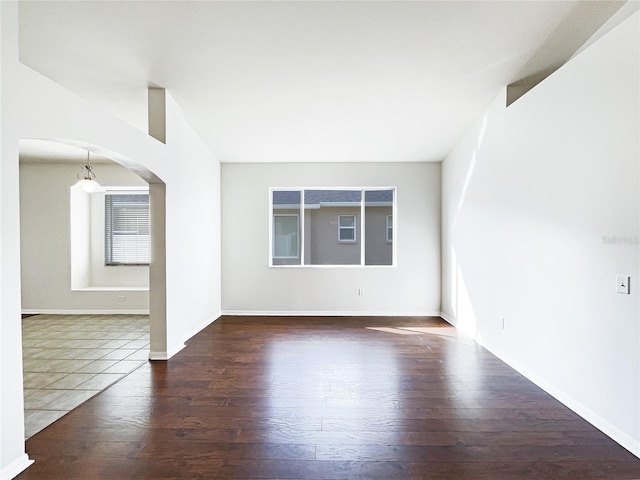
(127, 229)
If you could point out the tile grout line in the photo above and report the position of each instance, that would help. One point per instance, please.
(75, 343)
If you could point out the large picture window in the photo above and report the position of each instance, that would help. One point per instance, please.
(127, 229)
(324, 226)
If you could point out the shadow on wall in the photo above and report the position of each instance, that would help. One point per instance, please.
(461, 304)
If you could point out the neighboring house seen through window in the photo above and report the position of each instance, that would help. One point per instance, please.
(325, 226)
(127, 229)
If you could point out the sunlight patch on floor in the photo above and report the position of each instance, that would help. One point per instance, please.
(443, 332)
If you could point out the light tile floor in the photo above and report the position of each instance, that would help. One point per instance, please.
(67, 359)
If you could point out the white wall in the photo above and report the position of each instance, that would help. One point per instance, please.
(45, 227)
(540, 213)
(32, 106)
(12, 454)
(250, 286)
(193, 229)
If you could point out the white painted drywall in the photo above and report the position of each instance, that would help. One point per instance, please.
(13, 458)
(79, 235)
(45, 234)
(412, 287)
(193, 229)
(540, 213)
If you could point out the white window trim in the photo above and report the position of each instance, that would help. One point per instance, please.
(354, 228)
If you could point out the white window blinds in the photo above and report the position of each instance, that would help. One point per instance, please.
(127, 229)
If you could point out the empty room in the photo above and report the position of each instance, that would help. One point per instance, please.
(320, 240)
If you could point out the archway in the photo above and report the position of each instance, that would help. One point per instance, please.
(66, 158)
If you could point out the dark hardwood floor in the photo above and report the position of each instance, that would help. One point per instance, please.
(326, 398)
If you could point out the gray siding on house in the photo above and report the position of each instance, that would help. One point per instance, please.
(377, 250)
(324, 248)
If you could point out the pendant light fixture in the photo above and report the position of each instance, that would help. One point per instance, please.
(87, 179)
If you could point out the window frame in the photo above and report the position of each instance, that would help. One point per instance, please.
(108, 232)
(390, 228)
(303, 229)
(353, 228)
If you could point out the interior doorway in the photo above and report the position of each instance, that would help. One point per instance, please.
(86, 322)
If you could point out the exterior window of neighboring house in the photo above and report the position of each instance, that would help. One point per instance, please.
(285, 236)
(347, 228)
(304, 223)
(127, 229)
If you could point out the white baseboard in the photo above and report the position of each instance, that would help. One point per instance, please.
(158, 355)
(447, 318)
(16, 467)
(263, 313)
(50, 311)
(110, 289)
(586, 413)
(194, 331)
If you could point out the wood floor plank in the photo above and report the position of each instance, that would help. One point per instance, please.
(326, 398)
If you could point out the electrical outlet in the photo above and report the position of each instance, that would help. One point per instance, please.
(622, 284)
(360, 292)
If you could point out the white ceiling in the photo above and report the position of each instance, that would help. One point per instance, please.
(275, 81)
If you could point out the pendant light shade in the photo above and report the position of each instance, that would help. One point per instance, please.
(87, 179)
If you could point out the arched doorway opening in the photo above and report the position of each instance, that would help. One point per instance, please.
(62, 268)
